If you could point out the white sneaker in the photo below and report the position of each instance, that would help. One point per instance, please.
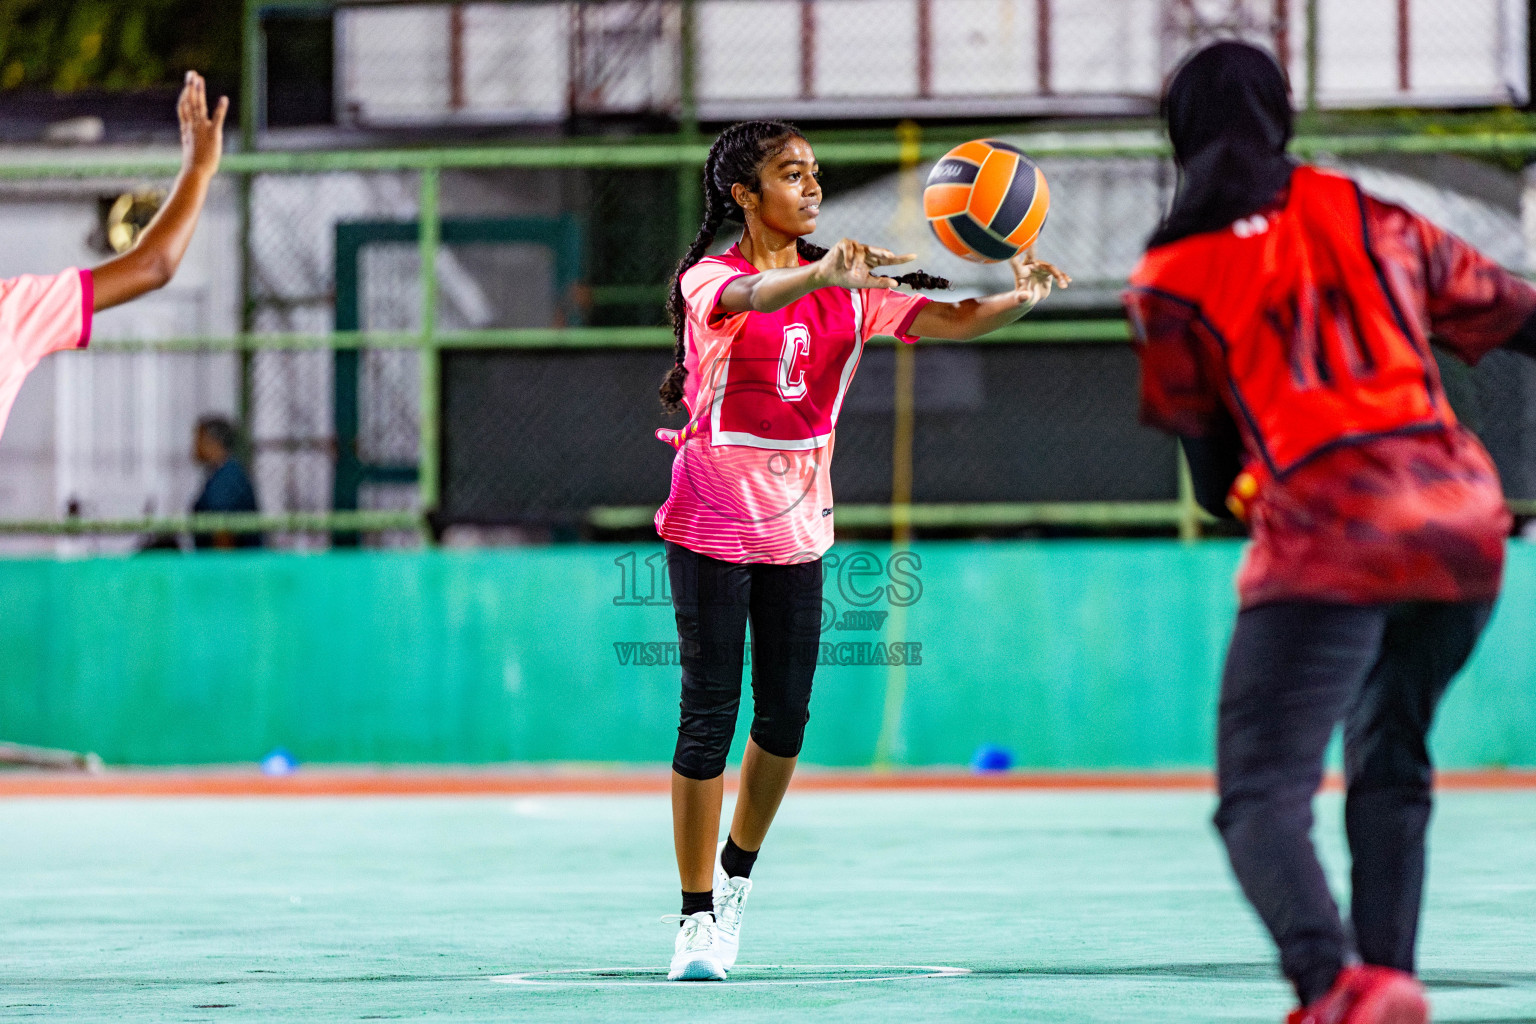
(696, 954)
(730, 902)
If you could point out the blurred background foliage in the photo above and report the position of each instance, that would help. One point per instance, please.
(116, 45)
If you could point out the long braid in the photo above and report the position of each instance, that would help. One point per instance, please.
(677, 307)
(735, 158)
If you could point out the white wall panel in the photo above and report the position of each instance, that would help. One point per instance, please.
(514, 59)
(1100, 48)
(393, 62)
(984, 47)
(866, 48)
(748, 49)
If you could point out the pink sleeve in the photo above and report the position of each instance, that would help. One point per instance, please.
(39, 315)
(702, 284)
(889, 313)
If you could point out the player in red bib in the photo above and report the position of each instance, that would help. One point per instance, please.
(1284, 320)
(42, 315)
(769, 335)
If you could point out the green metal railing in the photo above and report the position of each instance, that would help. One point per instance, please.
(832, 147)
(686, 156)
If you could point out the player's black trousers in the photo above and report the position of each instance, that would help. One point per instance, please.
(714, 601)
(1294, 671)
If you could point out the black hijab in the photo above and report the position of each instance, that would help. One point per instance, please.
(1228, 111)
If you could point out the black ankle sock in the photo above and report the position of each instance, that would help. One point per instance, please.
(697, 902)
(736, 862)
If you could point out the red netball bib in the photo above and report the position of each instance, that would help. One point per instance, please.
(781, 385)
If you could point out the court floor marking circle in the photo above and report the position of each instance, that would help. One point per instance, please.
(555, 979)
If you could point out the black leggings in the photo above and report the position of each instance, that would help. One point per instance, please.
(1294, 671)
(714, 601)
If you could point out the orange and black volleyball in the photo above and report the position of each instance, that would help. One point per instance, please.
(986, 201)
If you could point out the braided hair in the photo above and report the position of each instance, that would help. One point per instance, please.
(737, 157)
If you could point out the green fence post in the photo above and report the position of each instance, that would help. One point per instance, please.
(346, 364)
(252, 61)
(251, 76)
(688, 183)
(431, 232)
(246, 401)
(1312, 58)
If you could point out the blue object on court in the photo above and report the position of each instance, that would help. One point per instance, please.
(990, 757)
(279, 762)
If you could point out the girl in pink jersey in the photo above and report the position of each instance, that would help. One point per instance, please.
(768, 337)
(41, 315)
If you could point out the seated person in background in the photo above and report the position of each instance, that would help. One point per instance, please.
(228, 488)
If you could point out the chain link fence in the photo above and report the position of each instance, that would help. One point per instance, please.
(515, 396)
(533, 61)
(293, 269)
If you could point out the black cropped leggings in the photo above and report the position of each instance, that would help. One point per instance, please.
(1295, 670)
(715, 601)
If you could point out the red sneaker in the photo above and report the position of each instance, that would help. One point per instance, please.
(1368, 995)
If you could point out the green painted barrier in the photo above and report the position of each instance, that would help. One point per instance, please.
(1072, 655)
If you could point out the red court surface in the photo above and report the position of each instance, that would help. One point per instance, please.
(459, 781)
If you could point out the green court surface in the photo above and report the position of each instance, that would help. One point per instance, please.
(1063, 907)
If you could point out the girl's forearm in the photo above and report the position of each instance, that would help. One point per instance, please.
(157, 254)
(770, 290)
(169, 234)
(970, 318)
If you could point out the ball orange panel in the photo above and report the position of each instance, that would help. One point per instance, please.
(991, 185)
(974, 151)
(945, 200)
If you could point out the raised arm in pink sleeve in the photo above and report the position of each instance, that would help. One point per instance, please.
(39, 315)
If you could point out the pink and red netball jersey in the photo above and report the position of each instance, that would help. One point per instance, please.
(751, 479)
(39, 315)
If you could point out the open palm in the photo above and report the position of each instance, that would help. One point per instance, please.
(1033, 279)
(850, 264)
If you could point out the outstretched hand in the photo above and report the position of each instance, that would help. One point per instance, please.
(202, 135)
(850, 264)
(1033, 279)
(153, 260)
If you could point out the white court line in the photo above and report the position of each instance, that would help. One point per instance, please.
(553, 978)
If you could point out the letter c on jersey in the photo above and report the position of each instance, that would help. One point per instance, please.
(797, 346)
